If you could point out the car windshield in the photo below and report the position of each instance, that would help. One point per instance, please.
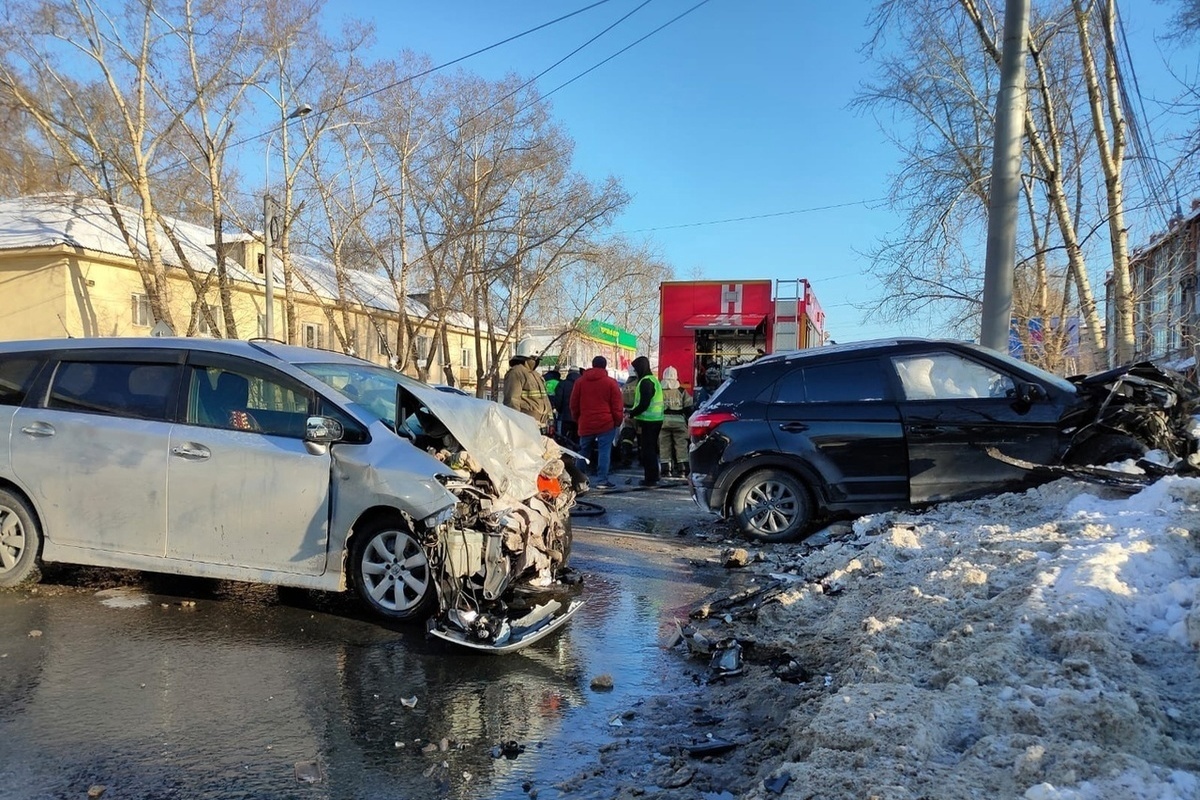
(371, 387)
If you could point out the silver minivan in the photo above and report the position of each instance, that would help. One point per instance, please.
(262, 462)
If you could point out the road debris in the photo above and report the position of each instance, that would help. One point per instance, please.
(602, 683)
(309, 772)
(510, 750)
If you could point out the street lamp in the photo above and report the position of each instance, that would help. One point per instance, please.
(269, 223)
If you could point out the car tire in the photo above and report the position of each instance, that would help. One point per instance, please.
(1105, 449)
(771, 505)
(20, 540)
(391, 572)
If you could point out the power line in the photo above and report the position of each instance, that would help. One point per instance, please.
(756, 216)
(579, 75)
(401, 82)
(671, 21)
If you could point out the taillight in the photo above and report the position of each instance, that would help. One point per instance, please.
(704, 422)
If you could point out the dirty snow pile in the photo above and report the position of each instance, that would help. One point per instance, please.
(1040, 645)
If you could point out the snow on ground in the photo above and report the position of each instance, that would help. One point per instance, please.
(1039, 645)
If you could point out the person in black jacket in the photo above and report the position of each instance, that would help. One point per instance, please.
(567, 429)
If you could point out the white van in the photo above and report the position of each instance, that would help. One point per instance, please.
(261, 462)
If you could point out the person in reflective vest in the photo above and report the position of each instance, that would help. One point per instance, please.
(648, 412)
(673, 440)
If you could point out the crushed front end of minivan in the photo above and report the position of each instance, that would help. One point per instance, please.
(499, 562)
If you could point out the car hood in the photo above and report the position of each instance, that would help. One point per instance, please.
(509, 445)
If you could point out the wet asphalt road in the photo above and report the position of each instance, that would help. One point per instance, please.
(165, 688)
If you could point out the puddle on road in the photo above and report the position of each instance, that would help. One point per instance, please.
(228, 699)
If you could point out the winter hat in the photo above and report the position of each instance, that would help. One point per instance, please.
(670, 378)
(641, 365)
(600, 362)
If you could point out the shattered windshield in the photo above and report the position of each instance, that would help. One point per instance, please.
(371, 387)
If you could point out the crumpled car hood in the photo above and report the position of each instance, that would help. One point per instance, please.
(508, 444)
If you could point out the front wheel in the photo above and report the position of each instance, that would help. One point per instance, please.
(19, 540)
(770, 505)
(391, 573)
(1106, 448)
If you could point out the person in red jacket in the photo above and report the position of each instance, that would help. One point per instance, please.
(598, 411)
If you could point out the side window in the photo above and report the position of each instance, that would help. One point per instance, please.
(355, 432)
(791, 388)
(119, 388)
(240, 400)
(16, 375)
(949, 376)
(847, 382)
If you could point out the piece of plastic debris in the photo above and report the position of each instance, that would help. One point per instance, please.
(510, 750)
(399, 745)
(828, 681)
(602, 683)
(616, 722)
(726, 659)
(712, 746)
(778, 783)
(308, 772)
(409, 702)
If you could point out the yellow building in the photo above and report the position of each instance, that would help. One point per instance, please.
(66, 270)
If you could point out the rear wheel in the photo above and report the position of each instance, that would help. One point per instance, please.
(19, 540)
(1105, 449)
(391, 572)
(771, 505)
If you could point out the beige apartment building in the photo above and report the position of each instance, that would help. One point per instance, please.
(66, 271)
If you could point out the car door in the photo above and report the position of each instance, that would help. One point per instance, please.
(93, 453)
(954, 408)
(246, 489)
(840, 417)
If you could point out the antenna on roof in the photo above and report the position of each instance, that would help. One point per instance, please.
(66, 330)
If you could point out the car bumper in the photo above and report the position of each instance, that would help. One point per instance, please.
(701, 493)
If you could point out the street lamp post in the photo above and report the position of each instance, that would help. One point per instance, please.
(269, 225)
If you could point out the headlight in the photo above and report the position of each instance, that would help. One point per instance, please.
(440, 518)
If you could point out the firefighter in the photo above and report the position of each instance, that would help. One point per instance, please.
(673, 439)
(525, 390)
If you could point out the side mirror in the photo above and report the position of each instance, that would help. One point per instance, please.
(323, 430)
(1030, 393)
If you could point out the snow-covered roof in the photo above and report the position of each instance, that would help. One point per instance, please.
(50, 220)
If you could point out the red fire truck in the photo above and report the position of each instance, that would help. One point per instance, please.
(707, 323)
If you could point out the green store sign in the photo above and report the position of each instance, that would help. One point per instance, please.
(607, 333)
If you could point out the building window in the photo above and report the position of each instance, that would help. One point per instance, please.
(465, 361)
(142, 315)
(262, 266)
(313, 335)
(422, 347)
(383, 342)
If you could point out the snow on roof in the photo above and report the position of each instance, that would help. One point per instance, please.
(50, 220)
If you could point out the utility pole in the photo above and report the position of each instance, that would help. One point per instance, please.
(1005, 194)
(268, 243)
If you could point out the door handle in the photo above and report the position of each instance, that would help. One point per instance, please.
(793, 427)
(927, 430)
(192, 452)
(38, 430)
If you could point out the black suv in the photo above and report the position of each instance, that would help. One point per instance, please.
(871, 426)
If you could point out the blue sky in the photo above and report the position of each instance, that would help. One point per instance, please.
(739, 109)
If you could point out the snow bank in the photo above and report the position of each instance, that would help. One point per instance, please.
(1040, 645)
